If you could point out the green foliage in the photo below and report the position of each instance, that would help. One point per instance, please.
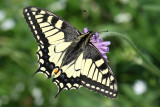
(139, 19)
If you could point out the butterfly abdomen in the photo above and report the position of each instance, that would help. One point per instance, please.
(72, 53)
(76, 48)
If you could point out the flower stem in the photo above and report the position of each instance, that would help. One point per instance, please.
(147, 63)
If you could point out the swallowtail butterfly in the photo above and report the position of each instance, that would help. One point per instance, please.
(67, 56)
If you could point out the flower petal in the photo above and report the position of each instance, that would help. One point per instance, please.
(96, 34)
(100, 40)
(106, 49)
(106, 43)
(85, 30)
(99, 44)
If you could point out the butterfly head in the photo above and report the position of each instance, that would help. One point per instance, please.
(98, 42)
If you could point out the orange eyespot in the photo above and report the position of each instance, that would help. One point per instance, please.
(55, 70)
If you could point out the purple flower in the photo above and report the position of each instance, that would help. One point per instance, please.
(99, 44)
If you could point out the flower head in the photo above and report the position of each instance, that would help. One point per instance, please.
(99, 44)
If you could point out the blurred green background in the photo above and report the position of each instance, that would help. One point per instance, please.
(139, 83)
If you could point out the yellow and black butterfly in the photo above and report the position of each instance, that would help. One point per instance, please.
(67, 55)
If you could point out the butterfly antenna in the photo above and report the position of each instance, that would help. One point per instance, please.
(86, 18)
(103, 31)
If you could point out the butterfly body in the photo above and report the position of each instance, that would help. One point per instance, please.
(67, 55)
(76, 48)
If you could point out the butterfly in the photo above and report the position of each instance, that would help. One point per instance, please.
(68, 56)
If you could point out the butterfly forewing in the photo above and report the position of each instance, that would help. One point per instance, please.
(48, 28)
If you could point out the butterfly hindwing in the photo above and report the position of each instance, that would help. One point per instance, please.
(50, 57)
(96, 74)
(70, 78)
